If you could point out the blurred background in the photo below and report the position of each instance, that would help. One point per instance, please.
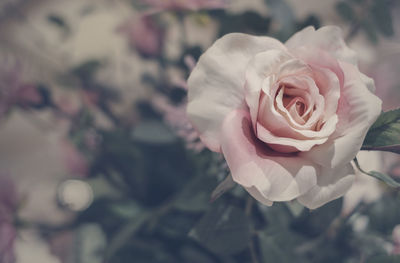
(97, 160)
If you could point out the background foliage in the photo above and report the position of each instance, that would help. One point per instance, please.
(151, 177)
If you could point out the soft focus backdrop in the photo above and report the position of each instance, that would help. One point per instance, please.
(98, 163)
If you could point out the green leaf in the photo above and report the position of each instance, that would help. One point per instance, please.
(380, 176)
(125, 210)
(195, 196)
(385, 178)
(125, 233)
(224, 229)
(153, 132)
(345, 11)
(381, 13)
(280, 246)
(314, 223)
(384, 135)
(226, 185)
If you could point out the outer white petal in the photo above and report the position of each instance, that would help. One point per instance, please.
(331, 184)
(275, 176)
(258, 196)
(358, 109)
(216, 84)
(327, 38)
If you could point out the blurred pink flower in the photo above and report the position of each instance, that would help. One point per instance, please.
(180, 5)
(76, 162)
(175, 117)
(13, 89)
(8, 207)
(145, 35)
(61, 246)
(396, 240)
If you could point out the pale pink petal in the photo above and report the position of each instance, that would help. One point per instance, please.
(329, 87)
(258, 196)
(276, 123)
(216, 85)
(284, 144)
(331, 184)
(328, 38)
(264, 70)
(357, 111)
(276, 176)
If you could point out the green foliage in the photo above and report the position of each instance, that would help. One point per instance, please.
(314, 223)
(152, 195)
(381, 13)
(384, 135)
(384, 259)
(377, 21)
(154, 132)
(345, 10)
(224, 229)
(380, 176)
(385, 214)
(248, 22)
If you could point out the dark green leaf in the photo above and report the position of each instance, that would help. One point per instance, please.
(384, 133)
(385, 178)
(380, 176)
(226, 185)
(224, 229)
(345, 10)
(125, 233)
(280, 246)
(195, 197)
(381, 13)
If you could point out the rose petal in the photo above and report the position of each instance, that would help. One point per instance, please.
(357, 111)
(328, 38)
(331, 184)
(263, 71)
(258, 196)
(329, 87)
(284, 144)
(277, 124)
(216, 83)
(277, 177)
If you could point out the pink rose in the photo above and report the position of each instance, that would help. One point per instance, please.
(288, 118)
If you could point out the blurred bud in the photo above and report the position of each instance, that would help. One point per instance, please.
(181, 5)
(28, 95)
(175, 117)
(145, 35)
(396, 240)
(15, 90)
